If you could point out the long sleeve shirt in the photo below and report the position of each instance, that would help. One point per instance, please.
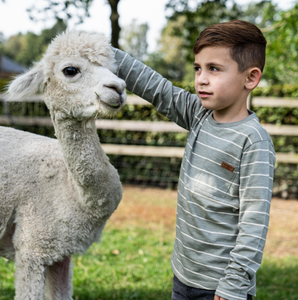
(224, 189)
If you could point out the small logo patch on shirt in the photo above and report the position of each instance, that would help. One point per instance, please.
(227, 166)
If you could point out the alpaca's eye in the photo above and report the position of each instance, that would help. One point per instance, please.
(70, 71)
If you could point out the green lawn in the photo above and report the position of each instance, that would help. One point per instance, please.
(134, 263)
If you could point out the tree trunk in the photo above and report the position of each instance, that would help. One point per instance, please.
(115, 24)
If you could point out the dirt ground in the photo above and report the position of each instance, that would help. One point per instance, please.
(156, 209)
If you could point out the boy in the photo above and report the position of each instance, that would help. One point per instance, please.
(226, 175)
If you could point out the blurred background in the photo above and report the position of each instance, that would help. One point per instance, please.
(160, 33)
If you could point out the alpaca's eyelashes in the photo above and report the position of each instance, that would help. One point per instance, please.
(70, 71)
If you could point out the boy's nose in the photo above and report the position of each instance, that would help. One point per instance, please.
(202, 79)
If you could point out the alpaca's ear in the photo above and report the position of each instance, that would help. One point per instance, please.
(26, 84)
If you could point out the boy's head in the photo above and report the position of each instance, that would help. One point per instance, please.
(246, 42)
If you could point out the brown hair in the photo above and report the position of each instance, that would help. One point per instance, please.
(246, 41)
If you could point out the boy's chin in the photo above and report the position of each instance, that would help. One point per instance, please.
(206, 104)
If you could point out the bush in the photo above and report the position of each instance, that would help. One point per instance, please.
(3, 84)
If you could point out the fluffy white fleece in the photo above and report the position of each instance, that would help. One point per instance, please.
(56, 195)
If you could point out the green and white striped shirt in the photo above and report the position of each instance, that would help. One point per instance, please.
(224, 190)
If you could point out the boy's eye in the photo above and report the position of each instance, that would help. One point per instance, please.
(213, 69)
(197, 69)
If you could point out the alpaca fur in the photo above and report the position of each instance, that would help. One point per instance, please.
(56, 195)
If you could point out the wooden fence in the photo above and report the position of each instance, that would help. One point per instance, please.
(134, 150)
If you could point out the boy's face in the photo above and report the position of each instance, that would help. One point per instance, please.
(218, 82)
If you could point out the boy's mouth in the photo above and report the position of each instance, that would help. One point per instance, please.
(204, 94)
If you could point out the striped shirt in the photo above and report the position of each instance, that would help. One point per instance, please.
(224, 189)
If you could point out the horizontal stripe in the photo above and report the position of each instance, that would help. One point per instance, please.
(247, 247)
(257, 162)
(238, 132)
(209, 210)
(211, 199)
(201, 252)
(254, 224)
(210, 186)
(252, 235)
(264, 175)
(204, 242)
(237, 254)
(197, 263)
(260, 150)
(226, 153)
(255, 187)
(204, 230)
(197, 217)
(221, 139)
(192, 282)
(255, 212)
(203, 170)
(255, 200)
(255, 130)
(197, 273)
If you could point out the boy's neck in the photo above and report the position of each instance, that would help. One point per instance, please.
(223, 116)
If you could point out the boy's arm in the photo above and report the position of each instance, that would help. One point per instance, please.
(173, 102)
(256, 181)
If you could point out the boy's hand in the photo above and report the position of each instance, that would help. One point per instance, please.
(219, 298)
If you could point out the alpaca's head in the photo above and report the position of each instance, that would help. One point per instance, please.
(76, 77)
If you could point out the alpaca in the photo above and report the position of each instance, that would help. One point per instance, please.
(56, 195)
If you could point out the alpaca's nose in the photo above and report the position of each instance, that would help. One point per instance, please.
(117, 87)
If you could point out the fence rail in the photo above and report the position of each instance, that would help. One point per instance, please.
(132, 150)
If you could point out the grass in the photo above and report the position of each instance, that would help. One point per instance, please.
(131, 263)
(277, 279)
(133, 259)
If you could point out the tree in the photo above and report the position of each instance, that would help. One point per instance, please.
(170, 57)
(198, 16)
(282, 46)
(64, 10)
(115, 22)
(134, 40)
(27, 48)
(74, 9)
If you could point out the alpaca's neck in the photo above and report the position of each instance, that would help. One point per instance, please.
(84, 157)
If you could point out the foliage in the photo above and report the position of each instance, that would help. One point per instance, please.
(170, 58)
(64, 10)
(197, 16)
(3, 84)
(27, 48)
(134, 40)
(282, 47)
(60, 10)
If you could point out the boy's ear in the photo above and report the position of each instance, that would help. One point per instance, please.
(26, 84)
(253, 78)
